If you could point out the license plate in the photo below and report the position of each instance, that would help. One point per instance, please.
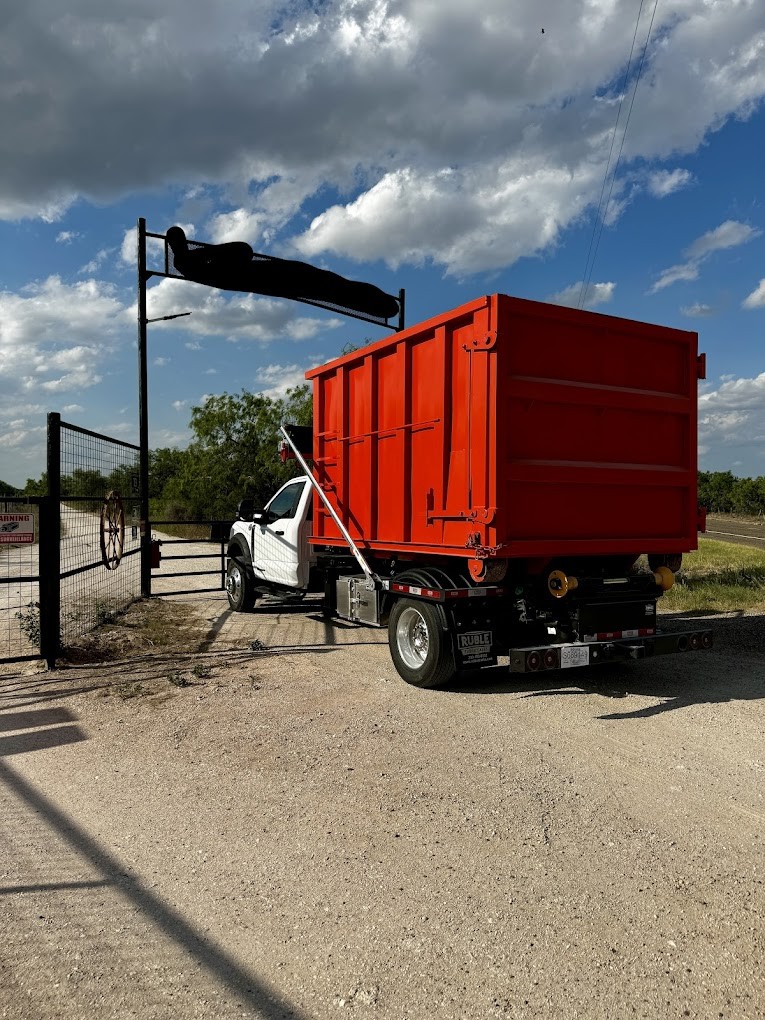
(571, 655)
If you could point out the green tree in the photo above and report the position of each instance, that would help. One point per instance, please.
(37, 487)
(84, 482)
(716, 491)
(123, 480)
(8, 490)
(235, 452)
(164, 464)
(747, 496)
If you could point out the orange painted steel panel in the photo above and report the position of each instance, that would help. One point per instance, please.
(512, 428)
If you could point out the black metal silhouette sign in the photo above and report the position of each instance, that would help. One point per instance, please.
(235, 266)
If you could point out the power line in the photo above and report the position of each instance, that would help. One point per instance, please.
(600, 220)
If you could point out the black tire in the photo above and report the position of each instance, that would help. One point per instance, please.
(420, 649)
(239, 587)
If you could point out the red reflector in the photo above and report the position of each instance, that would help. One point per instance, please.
(533, 660)
(551, 659)
(286, 452)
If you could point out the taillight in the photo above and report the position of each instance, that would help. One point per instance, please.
(550, 659)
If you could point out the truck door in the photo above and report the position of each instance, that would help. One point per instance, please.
(280, 541)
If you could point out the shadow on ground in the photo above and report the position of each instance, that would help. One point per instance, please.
(682, 680)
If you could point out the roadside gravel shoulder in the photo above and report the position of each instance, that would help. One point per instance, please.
(198, 829)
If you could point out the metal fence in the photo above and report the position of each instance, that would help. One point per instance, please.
(98, 553)
(19, 578)
(69, 560)
(193, 550)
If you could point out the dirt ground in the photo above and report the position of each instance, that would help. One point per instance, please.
(193, 828)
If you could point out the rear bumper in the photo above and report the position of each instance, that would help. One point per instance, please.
(536, 659)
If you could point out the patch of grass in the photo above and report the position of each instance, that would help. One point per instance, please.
(719, 577)
(127, 691)
(201, 672)
(162, 624)
(105, 613)
(146, 625)
(29, 623)
(178, 680)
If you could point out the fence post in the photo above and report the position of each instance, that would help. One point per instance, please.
(143, 414)
(50, 549)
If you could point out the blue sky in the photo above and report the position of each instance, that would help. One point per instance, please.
(450, 149)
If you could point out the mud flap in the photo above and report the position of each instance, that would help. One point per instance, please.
(474, 648)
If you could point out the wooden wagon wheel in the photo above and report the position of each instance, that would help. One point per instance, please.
(112, 530)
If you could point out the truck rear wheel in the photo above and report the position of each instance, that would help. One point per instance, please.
(239, 587)
(420, 649)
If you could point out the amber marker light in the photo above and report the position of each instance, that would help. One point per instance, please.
(558, 584)
(664, 578)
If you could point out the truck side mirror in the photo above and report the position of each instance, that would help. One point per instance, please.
(245, 510)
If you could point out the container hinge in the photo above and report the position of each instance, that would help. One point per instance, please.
(483, 342)
(481, 551)
(482, 514)
(701, 366)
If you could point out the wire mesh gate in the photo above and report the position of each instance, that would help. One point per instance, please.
(93, 489)
(198, 547)
(69, 560)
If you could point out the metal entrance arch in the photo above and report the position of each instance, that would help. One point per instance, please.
(217, 280)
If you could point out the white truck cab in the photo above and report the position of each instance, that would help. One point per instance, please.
(268, 549)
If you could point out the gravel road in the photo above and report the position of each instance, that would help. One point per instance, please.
(212, 832)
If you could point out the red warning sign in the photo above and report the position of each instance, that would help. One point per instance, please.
(17, 529)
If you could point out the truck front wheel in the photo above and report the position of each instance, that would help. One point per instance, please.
(419, 647)
(239, 587)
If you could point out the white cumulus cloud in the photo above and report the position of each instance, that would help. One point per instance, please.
(594, 294)
(54, 335)
(729, 234)
(231, 316)
(665, 182)
(442, 132)
(732, 419)
(757, 298)
(274, 380)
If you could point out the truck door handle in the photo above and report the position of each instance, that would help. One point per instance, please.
(278, 532)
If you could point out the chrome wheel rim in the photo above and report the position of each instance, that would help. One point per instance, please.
(412, 638)
(234, 583)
